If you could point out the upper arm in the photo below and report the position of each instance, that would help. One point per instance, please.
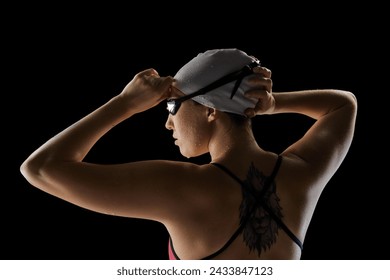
(324, 146)
(145, 189)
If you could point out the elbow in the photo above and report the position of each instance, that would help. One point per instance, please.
(31, 170)
(28, 170)
(346, 100)
(351, 100)
(39, 171)
(353, 104)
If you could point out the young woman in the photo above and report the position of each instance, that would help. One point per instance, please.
(247, 203)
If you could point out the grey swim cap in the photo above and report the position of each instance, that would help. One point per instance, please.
(208, 67)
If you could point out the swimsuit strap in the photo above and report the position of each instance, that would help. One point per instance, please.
(267, 184)
(260, 199)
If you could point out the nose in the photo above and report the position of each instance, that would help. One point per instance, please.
(169, 123)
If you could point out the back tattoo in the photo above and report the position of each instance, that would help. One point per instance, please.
(258, 207)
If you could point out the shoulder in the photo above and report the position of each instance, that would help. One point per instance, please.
(188, 181)
(202, 186)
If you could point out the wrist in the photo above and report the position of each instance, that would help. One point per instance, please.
(122, 106)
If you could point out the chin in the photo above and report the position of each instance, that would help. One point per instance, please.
(191, 154)
(186, 155)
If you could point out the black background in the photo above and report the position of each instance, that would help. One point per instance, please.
(62, 64)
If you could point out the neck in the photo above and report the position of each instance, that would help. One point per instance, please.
(232, 142)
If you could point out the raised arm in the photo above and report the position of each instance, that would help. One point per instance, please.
(324, 146)
(326, 143)
(133, 189)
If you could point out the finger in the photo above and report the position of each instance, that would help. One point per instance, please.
(261, 78)
(263, 71)
(260, 82)
(256, 93)
(166, 85)
(148, 72)
(250, 112)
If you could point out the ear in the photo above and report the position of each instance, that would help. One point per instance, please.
(212, 114)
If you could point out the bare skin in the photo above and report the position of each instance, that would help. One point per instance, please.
(200, 213)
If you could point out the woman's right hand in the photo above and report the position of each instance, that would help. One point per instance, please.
(146, 90)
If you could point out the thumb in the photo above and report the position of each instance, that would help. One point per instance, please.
(250, 112)
(166, 85)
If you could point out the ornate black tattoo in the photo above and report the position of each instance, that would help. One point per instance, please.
(259, 198)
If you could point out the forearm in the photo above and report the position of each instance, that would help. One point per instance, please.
(313, 103)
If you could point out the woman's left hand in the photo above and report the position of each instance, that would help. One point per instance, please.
(262, 91)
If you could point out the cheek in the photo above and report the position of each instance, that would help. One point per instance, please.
(193, 137)
(192, 134)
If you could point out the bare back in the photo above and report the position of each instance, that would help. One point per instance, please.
(265, 227)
